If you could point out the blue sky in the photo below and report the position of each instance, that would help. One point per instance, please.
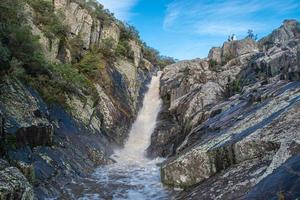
(186, 29)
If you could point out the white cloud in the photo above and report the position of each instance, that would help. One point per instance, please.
(121, 8)
(207, 17)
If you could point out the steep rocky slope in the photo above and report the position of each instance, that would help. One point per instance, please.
(65, 107)
(230, 123)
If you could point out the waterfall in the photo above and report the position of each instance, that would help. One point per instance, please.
(143, 127)
(133, 176)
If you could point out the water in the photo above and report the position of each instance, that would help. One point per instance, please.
(133, 176)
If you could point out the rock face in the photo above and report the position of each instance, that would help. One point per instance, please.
(230, 127)
(232, 49)
(13, 184)
(53, 145)
(189, 88)
(80, 21)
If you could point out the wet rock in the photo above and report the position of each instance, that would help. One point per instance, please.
(283, 183)
(164, 138)
(2, 134)
(13, 184)
(98, 157)
(231, 143)
(229, 184)
(27, 170)
(225, 149)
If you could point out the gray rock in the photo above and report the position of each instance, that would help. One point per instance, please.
(229, 145)
(237, 48)
(215, 54)
(13, 184)
(288, 31)
(2, 134)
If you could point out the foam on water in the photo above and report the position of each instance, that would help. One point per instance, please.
(133, 176)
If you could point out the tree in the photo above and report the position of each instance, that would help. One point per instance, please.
(251, 35)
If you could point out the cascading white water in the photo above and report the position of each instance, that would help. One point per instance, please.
(133, 176)
(143, 127)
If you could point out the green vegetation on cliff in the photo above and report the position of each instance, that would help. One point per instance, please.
(22, 56)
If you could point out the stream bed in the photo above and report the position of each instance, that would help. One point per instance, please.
(133, 176)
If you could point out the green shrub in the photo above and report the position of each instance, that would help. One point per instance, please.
(21, 55)
(227, 58)
(91, 64)
(62, 80)
(11, 12)
(124, 50)
(150, 54)
(155, 58)
(213, 64)
(96, 10)
(5, 56)
(128, 32)
(107, 49)
(76, 45)
(164, 61)
(47, 20)
(71, 75)
(17, 42)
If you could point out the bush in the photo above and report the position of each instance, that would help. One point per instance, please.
(76, 46)
(107, 49)
(91, 64)
(49, 22)
(164, 61)
(21, 56)
(150, 54)
(227, 58)
(213, 64)
(128, 32)
(250, 35)
(72, 76)
(62, 79)
(5, 57)
(124, 50)
(17, 42)
(155, 58)
(96, 10)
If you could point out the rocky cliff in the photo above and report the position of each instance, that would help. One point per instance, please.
(229, 124)
(63, 109)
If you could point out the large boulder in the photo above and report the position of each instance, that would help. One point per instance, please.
(78, 19)
(215, 54)
(2, 134)
(1, 126)
(229, 122)
(224, 147)
(237, 48)
(13, 184)
(283, 35)
(110, 31)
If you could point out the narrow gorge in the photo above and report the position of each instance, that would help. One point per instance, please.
(90, 111)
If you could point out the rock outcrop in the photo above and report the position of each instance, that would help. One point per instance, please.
(189, 88)
(53, 144)
(229, 122)
(13, 184)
